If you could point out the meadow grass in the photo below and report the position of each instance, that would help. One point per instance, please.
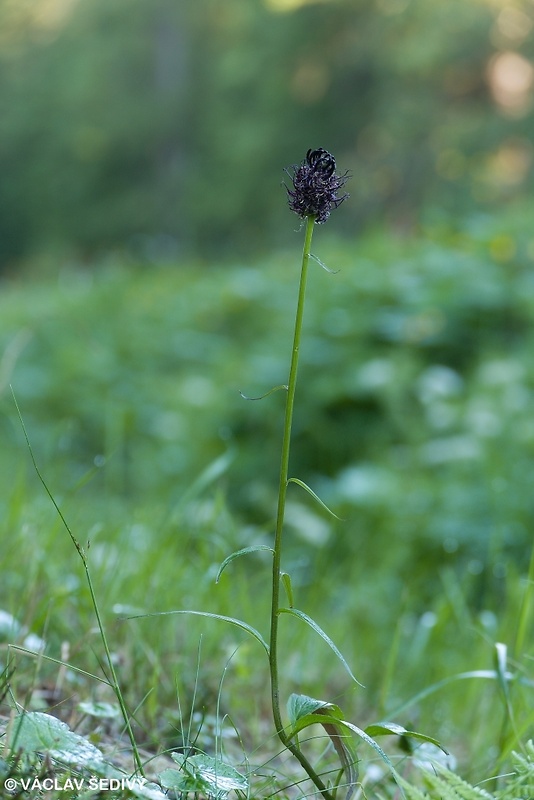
(414, 423)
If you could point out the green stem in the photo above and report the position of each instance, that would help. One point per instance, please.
(282, 491)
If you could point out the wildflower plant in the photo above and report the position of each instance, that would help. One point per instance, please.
(316, 189)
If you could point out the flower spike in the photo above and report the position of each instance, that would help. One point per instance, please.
(316, 186)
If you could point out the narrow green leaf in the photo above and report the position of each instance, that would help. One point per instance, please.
(346, 752)
(274, 389)
(485, 674)
(315, 496)
(61, 663)
(286, 580)
(323, 265)
(392, 729)
(371, 742)
(231, 621)
(309, 621)
(252, 549)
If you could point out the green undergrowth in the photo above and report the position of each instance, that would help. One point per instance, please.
(414, 422)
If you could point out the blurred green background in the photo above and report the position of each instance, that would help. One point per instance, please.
(149, 274)
(162, 127)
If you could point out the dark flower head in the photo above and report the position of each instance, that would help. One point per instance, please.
(316, 186)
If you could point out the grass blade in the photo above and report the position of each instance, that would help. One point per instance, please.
(315, 496)
(392, 729)
(309, 621)
(81, 552)
(252, 549)
(230, 620)
(485, 674)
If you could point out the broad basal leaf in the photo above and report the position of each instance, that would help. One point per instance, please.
(203, 774)
(300, 705)
(36, 732)
(304, 711)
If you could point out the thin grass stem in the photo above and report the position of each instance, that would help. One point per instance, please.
(114, 682)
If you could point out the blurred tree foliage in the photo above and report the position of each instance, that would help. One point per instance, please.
(163, 126)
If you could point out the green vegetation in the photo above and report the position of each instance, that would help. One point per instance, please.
(143, 332)
(413, 422)
(147, 126)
